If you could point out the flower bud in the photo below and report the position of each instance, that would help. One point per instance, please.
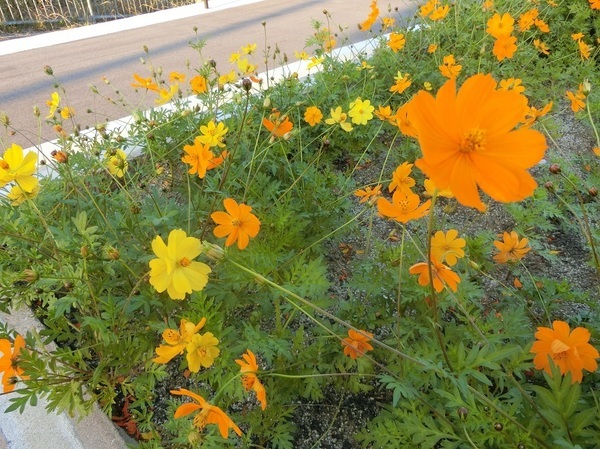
(247, 84)
(587, 86)
(554, 169)
(36, 111)
(267, 102)
(4, 119)
(463, 412)
(29, 275)
(593, 191)
(549, 186)
(113, 253)
(212, 251)
(48, 70)
(498, 427)
(85, 251)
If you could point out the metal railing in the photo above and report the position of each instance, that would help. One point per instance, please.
(47, 12)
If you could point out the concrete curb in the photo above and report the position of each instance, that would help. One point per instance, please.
(35, 428)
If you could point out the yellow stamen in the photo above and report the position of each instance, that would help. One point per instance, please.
(473, 140)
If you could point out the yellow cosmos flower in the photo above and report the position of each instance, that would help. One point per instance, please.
(226, 78)
(302, 55)
(361, 111)
(430, 189)
(313, 115)
(248, 49)
(176, 340)
(314, 61)
(213, 135)
(373, 15)
(165, 95)
(53, 103)
(339, 117)
(439, 13)
(245, 66)
(117, 163)
(370, 194)
(201, 351)
(249, 368)
(174, 270)
(19, 196)
(176, 77)
(541, 47)
(18, 168)
(67, 112)
(512, 84)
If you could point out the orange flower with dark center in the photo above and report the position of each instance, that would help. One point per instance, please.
(404, 207)
(9, 363)
(248, 368)
(570, 351)
(442, 275)
(207, 413)
(237, 224)
(468, 141)
(357, 343)
(511, 248)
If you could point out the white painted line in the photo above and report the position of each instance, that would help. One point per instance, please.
(11, 46)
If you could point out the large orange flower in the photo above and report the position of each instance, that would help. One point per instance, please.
(570, 351)
(237, 224)
(357, 343)
(248, 368)
(9, 363)
(207, 413)
(468, 141)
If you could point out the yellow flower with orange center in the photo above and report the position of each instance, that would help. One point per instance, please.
(199, 85)
(449, 68)
(403, 82)
(505, 47)
(361, 111)
(144, 83)
(468, 141)
(213, 135)
(18, 168)
(446, 247)
(174, 270)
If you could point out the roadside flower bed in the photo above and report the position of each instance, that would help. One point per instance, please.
(388, 228)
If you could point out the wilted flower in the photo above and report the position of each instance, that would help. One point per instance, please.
(249, 368)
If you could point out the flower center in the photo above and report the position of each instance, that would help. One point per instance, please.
(559, 349)
(235, 222)
(248, 382)
(184, 262)
(200, 419)
(473, 140)
(403, 205)
(4, 165)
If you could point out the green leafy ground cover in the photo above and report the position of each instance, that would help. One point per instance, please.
(152, 275)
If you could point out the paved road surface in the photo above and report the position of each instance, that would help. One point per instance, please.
(79, 64)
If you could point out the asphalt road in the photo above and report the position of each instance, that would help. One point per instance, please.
(82, 63)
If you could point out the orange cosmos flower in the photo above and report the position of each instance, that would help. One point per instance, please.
(9, 363)
(207, 413)
(403, 123)
(442, 275)
(357, 343)
(499, 26)
(384, 113)
(446, 247)
(541, 25)
(237, 224)
(404, 207)
(373, 15)
(387, 22)
(248, 368)
(313, 115)
(570, 351)
(199, 85)
(217, 161)
(432, 48)
(144, 83)
(512, 84)
(487, 5)
(201, 351)
(577, 99)
(505, 47)
(430, 189)
(594, 4)
(368, 193)
(541, 47)
(584, 49)
(396, 42)
(427, 8)
(533, 114)
(440, 12)
(449, 68)
(511, 248)
(402, 83)
(198, 157)
(401, 179)
(468, 142)
(278, 127)
(176, 77)
(526, 20)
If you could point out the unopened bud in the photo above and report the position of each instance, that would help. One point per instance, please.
(212, 251)
(463, 412)
(554, 169)
(593, 191)
(549, 186)
(113, 253)
(247, 84)
(267, 102)
(498, 427)
(48, 70)
(587, 86)
(4, 119)
(36, 111)
(85, 251)
(29, 275)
